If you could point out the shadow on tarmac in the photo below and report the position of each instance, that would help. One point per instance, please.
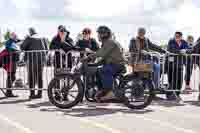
(41, 104)
(2, 98)
(165, 103)
(194, 103)
(93, 112)
(15, 101)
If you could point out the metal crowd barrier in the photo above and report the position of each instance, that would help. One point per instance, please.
(175, 71)
(151, 61)
(33, 70)
(180, 70)
(27, 70)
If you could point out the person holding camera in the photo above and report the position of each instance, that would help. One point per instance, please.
(63, 42)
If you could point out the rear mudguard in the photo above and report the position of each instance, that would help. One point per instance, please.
(136, 78)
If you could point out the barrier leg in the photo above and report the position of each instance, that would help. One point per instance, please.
(3, 92)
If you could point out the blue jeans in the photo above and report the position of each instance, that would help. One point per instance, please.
(156, 74)
(107, 73)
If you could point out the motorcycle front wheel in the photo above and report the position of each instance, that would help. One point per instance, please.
(65, 92)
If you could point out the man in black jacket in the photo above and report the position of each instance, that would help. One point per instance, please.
(62, 41)
(35, 60)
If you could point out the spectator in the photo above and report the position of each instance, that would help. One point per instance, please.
(196, 61)
(35, 60)
(190, 40)
(87, 42)
(62, 41)
(141, 44)
(175, 65)
(9, 56)
(189, 64)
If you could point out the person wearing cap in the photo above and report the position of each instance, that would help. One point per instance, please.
(175, 64)
(35, 58)
(9, 57)
(62, 41)
(87, 42)
(141, 44)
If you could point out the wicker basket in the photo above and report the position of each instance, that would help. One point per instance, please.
(141, 67)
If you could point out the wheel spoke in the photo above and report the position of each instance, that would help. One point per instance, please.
(72, 96)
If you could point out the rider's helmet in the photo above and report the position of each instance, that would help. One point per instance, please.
(104, 33)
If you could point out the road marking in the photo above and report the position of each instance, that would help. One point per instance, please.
(99, 125)
(165, 124)
(177, 112)
(93, 123)
(15, 124)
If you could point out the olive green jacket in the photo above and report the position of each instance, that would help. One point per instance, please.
(111, 52)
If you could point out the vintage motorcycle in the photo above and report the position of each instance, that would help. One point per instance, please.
(71, 87)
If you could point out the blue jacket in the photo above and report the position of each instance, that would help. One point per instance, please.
(11, 46)
(173, 47)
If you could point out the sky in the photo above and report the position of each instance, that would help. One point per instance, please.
(161, 18)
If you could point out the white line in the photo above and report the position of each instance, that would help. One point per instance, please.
(165, 124)
(183, 130)
(178, 113)
(93, 123)
(15, 124)
(99, 125)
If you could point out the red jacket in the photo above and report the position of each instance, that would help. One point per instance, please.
(8, 60)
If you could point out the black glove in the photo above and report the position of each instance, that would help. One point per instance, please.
(189, 51)
(90, 57)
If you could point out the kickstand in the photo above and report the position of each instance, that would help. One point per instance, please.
(3, 91)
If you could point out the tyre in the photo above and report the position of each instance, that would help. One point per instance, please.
(137, 93)
(90, 94)
(62, 90)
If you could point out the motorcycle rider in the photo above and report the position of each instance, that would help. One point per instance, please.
(113, 62)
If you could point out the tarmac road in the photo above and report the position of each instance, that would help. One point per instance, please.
(19, 115)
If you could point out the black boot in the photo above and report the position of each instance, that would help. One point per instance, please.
(10, 94)
(32, 95)
(199, 98)
(39, 94)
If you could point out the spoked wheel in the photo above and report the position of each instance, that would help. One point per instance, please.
(65, 92)
(90, 94)
(138, 93)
